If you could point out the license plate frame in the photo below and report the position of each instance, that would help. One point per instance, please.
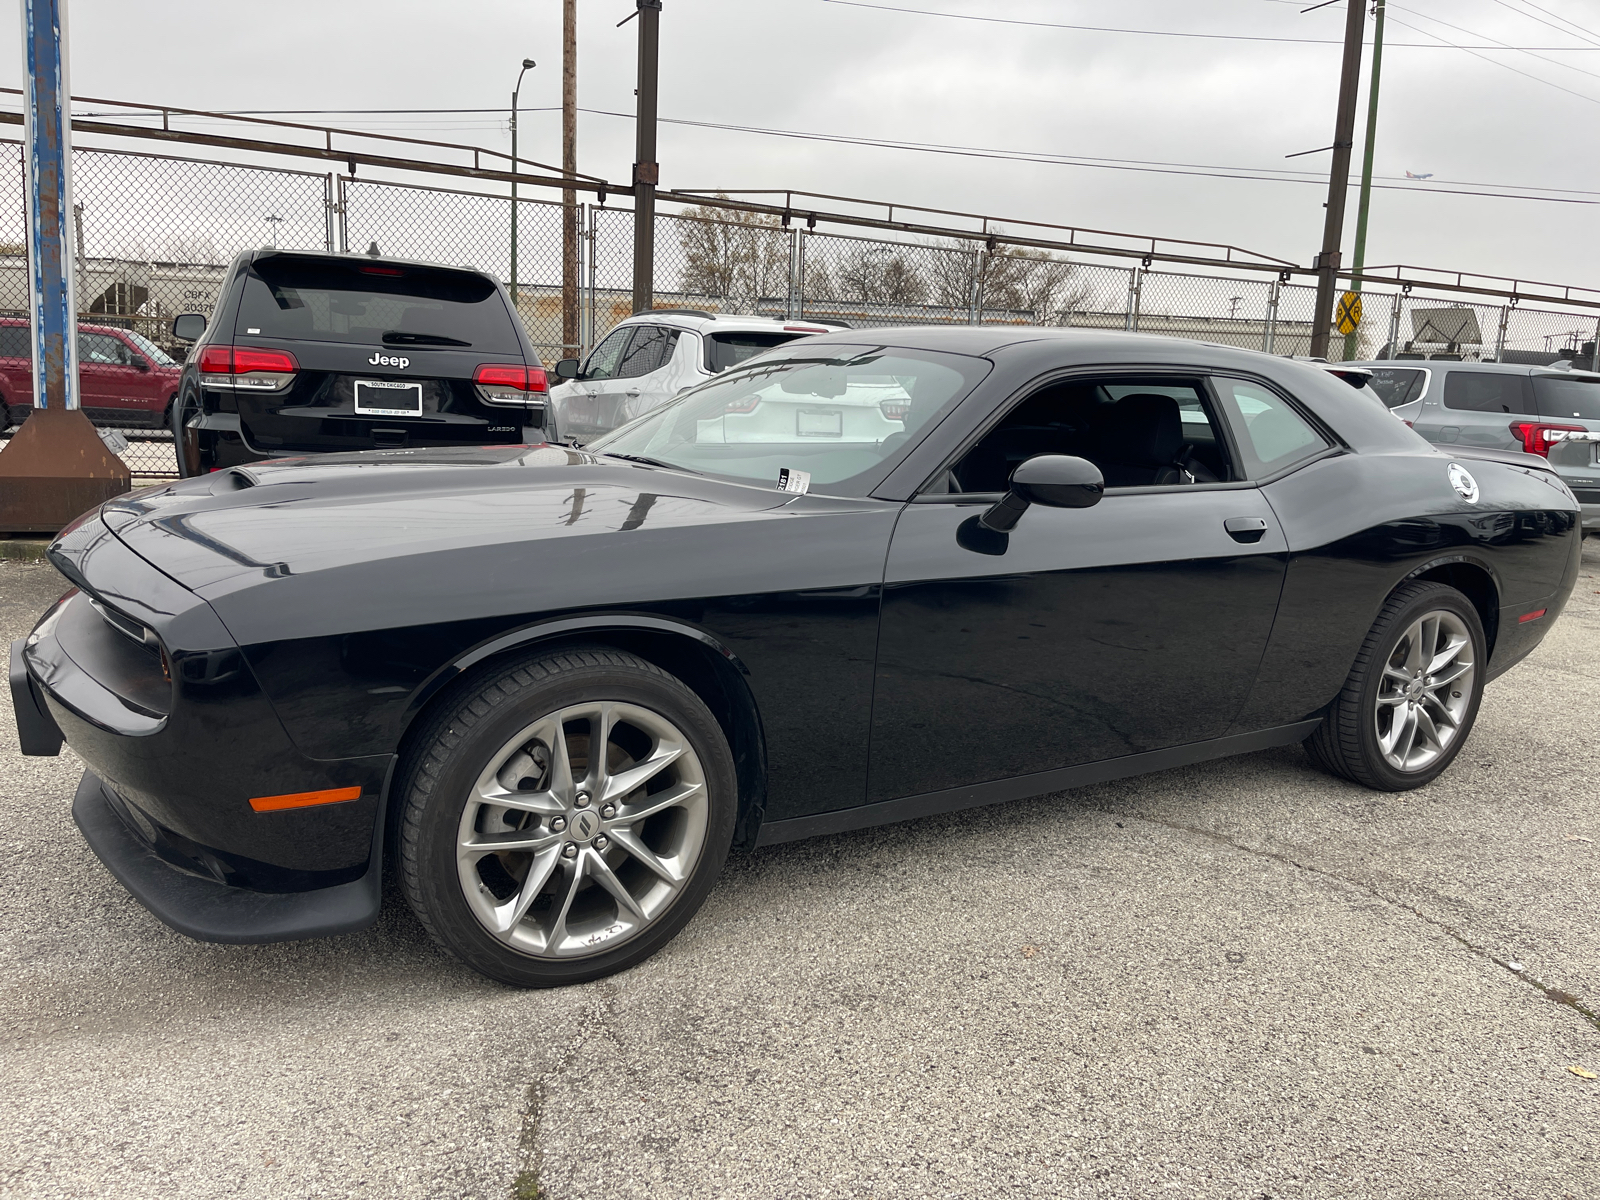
(388, 391)
(819, 422)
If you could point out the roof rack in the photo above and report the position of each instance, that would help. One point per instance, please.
(676, 312)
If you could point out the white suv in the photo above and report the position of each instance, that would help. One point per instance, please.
(649, 358)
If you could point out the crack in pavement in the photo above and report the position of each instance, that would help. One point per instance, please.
(1550, 992)
(527, 1185)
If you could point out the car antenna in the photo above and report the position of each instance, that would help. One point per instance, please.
(373, 251)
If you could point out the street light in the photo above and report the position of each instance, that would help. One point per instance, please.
(527, 65)
(273, 221)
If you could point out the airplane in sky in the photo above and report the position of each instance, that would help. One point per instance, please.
(1429, 175)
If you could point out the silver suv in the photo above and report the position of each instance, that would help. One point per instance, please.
(650, 357)
(1540, 410)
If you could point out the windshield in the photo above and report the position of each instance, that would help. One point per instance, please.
(840, 414)
(1567, 397)
(152, 351)
(375, 304)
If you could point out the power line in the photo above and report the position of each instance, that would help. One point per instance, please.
(1475, 33)
(1507, 66)
(1581, 31)
(1046, 158)
(1167, 33)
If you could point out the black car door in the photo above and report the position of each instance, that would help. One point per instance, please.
(1084, 634)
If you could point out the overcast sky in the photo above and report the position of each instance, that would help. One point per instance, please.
(822, 66)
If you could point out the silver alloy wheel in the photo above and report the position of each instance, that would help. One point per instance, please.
(562, 852)
(1425, 691)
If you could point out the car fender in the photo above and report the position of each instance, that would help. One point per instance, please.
(744, 715)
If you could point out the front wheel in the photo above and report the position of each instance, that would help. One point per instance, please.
(1412, 696)
(565, 817)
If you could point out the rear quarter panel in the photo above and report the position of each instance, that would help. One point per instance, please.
(1359, 525)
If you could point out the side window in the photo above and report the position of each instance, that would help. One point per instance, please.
(649, 351)
(1271, 435)
(99, 348)
(1481, 391)
(603, 359)
(1396, 387)
(1140, 433)
(14, 342)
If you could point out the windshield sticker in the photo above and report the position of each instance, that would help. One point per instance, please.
(798, 482)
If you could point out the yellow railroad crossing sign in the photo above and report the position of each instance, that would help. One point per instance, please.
(1347, 315)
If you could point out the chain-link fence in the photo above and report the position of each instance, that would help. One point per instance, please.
(156, 232)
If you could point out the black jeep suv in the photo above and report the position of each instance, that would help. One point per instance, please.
(314, 352)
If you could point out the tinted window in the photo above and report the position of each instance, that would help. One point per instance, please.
(103, 350)
(1567, 397)
(1480, 391)
(155, 352)
(374, 305)
(1272, 435)
(649, 351)
(841, 413)
(1395, 388)
(604, 358)
(14, 342)
(724, 350)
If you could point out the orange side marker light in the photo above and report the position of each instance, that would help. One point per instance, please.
(304, 799)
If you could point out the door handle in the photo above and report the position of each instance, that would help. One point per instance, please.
(1246, 529)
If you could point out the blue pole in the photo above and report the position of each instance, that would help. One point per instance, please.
(52, 307)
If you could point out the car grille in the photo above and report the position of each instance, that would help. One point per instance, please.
(1587, 495)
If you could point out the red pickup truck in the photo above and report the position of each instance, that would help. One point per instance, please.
(124, 378)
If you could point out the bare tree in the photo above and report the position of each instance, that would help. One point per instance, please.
(732, 254)
(1022, 278)
(880, 275)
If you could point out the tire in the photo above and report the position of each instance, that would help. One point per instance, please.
(184, 404)
(486, 768)
(1390, 728)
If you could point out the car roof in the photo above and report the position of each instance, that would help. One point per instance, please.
(83, 326)
(706, 322)
(1449, 364)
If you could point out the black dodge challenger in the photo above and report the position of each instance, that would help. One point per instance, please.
(861, 578)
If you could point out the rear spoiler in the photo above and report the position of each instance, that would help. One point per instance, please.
(1512, 458)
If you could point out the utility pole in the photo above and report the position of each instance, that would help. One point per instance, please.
(646, 171)
(55, 466)
(1344, 128)
(1352, 341)
(570, 334)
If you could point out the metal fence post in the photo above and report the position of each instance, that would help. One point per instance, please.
(1269, 327)
(592, 333)
(1394, 324)
(330, 213)
(1500, 337)
(975, 291)
(1135, 286)
(792, 304)
(344, 215)
(800, 285)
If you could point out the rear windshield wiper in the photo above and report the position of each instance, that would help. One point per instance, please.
(394, 337)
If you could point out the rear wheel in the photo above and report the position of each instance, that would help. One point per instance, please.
(1412, 697)
(183, 406)
(566, 818)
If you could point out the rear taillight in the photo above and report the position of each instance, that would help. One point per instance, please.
(511, 383)
(1537, 438)
(246, 367)
(895, 410)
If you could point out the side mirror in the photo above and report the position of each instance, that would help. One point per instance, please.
(189, 327)
(1054, 480)
(567, 368)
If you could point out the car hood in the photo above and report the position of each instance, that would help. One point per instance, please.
(331, 514)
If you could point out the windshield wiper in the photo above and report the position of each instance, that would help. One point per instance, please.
(395, 337)
(649, 462)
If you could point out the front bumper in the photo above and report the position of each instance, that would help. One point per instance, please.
(205, 909)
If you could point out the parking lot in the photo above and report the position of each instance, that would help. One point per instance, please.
(1242, 979)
